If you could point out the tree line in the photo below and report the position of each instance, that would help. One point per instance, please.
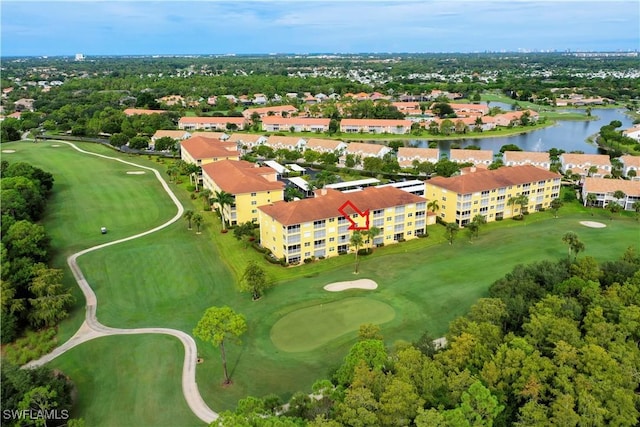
(33, 296)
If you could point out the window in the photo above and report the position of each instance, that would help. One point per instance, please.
(307, 244)
(253, 203)
(253, 194)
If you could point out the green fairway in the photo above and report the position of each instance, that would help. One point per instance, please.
(312, 327)
(169, 278)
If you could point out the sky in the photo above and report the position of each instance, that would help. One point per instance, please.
(52, 28)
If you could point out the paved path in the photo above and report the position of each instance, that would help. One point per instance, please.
(91, 328)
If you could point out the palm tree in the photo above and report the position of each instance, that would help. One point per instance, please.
(433, 206)
(188, 215)
(193, 170)
(636, 208)
(521, 201)
(619, 195)
(197, 220)
(478, 220)
(356, 241)
(592, 170)
(591, 201)
(452, 230)
(222, 199)
(556, 204)
(205, 195)
(575, 245)
(371, 234)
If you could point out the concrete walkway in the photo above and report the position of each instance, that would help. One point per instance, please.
(91, 328)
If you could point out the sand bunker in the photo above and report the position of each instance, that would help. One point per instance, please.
(8, 151)
(593, 224)
(135, 172)
(352, 284)
(56, 145)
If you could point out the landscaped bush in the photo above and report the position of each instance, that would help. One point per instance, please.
(271, 259)
(191, 188)
(32, 346)
(365, 251)
(308, 260)
(499, 218)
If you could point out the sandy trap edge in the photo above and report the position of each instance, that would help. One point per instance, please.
(593, 224)
(351, 284)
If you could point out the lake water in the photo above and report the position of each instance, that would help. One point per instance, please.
(566, 135)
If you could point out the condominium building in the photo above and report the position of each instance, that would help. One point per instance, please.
(200, 150)
(605, 189)
(487, 192)
(316, 227)
(251, 186)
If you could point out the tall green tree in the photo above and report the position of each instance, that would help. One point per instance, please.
(575, 245)
(197, 221)
(555, 205)
(220, 324)
(255, 280)
(452, 230)
(619, 195)
(478, 220)
(356, 241)
(371, 234)
(223, 199)
(188, 215)
(51, 299)
(434, 207)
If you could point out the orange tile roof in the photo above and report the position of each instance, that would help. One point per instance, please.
(327, 205)
(364, 147)
(264, 110)
(423, 153)
(375, 122)
(175, 134)
(212, 120)
(241, 177)
(244, 137)
(523, 156)
(628, 160)
(200, 147)
(327, 144)
(582, 159)
(605, 185)
(205, 134)
(488, 180)
(275, 120)
(283, 140)
(464, 155)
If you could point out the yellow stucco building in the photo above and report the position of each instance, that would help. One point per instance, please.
(200, 151)
(487, 192)
(251, 186)
(316, 228)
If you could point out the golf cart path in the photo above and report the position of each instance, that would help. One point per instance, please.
(91, 328)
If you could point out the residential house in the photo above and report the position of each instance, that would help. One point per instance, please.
(285, 142)
(142, 112)
(477, 157)
(466, 110)
(519, 158)
(632, 132)
(487, 193)
(513, 118)
(364, 149)
(24, 104)
(222, 136)
(276, 110)
(178, 135)
(211, 123)
(325, 145)
(316, 228)
(406, 155)
(630, 167)
(397, 127)
(470, 123)
(408, 108)
(252, 186)
(201, 151)
(595, 165)
(246, 142)
(605, 188)
(260, 99)
(299, 124)
(171, 100)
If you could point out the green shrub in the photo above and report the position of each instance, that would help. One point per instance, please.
(191, 188)
(32, 346)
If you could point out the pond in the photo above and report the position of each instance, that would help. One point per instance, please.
(568, 135)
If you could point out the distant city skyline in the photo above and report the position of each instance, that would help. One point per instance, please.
(54, 28)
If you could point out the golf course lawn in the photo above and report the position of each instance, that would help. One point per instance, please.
(169, 278)
(309, 328)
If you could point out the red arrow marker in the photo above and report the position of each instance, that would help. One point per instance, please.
(354, 225)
